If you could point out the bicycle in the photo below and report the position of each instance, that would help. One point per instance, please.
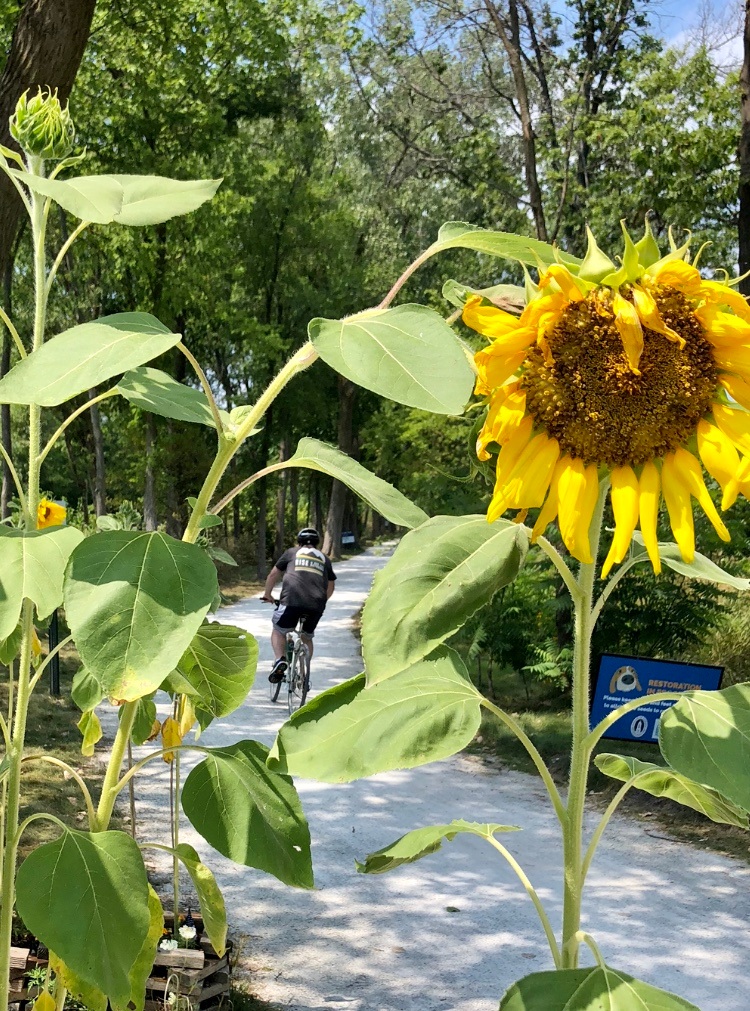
(297, 675)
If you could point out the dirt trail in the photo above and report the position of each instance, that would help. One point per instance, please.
(677, 916)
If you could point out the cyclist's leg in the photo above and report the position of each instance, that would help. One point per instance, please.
(307, 628)
(284, 620)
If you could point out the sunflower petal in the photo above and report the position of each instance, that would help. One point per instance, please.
(735, 424)
(737, 389)
(649, 315)
(722, 328)
(679, 507)
(720, 458)
(625, 507)
(488, 319)
(504, 416)
(506, 461)
(495, 368)
(649, 495)
(629, 327)
(527, 484)
(680, 275)
(548, 512)
(576, 507)
(724, 295)
(692, 477)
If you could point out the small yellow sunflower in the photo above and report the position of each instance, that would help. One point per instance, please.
(50, 514)
(641, 372)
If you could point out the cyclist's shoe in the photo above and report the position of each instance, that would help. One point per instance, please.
(278, 671)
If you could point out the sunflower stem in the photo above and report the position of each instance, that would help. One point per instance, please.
(581, 751)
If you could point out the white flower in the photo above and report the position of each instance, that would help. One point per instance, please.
(187, 933)
(168, 944)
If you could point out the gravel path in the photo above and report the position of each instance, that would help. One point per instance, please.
(454, 930)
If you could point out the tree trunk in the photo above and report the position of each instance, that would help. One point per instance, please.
(149, 484)
(339, 491)
(281, 501)
(294, 498)
(743, 222)
(100, 471)
(46, 50)
(510, 36)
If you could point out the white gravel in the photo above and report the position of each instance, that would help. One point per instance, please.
(670, 914)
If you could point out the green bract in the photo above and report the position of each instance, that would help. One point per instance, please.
(42, 127)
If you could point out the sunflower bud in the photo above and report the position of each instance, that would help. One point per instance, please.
(42, 127)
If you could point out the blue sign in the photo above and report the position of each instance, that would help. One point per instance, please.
(624, 678)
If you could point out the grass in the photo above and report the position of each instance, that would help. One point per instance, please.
(238, 582)
(547, 722)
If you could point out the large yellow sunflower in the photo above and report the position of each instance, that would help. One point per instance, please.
(641, 372)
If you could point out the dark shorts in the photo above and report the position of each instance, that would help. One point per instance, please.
(285, 618)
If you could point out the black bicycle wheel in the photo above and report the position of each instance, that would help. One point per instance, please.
(274, 688)
(298, 679)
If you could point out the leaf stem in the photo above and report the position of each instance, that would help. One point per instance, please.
(14, 474)
(598, 731)
(111, 785)
(52, 653)
(154, 755)
(206, 386)
(58, 762)
(271, 469)
(422, 258)
(533, 752)
(39, 816)
(561, 565)
(603, 822)
(605, 594)
(532, 893)
(63, 252)
(72, 417)
(13, 332)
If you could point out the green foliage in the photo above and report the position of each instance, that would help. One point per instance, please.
(155, 391)
(423, 714)
(210, 898)
(218, 668)
(438, 576)
(119, 587)
(422, 842)
(586, 990)
(407, 353)
(32, 566)
(250, 813)
(85, 897)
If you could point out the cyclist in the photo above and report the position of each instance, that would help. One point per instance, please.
(308, 582)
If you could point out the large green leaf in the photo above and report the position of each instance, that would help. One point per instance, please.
(438, 576)
(664, 782)
(86, 691)
(84, 356)
(423, 841)
(383, 497)
(505, 244)
(218, 667)
(128, 199)
(499, 294)
(706, 736)
(85, 896)
(407, 353)
(597, 989)
(32, 564)
(428, 712)
(134, 601)
(249, 813)
(210, 898)
(145, 717)
(156, 391)
(700, 568)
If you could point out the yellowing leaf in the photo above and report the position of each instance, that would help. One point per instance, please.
(187, 715)
(171, 737)
(91, 730)
(44, 1002)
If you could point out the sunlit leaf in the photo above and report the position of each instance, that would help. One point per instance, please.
(249, 813)
(126, 199)
(407, 353)
(665, 782)
(218, 667)
(156, 391)
(32, 564)
(383, 497)
(438, 576)
(422, 842)
(428, 712)
(85, 896)
(502, 295)
(210, 898)
(706, 736)
(597, 989)
(85, 356)
(134, 601)
(505, 244)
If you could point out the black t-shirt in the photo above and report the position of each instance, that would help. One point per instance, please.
(307, 572)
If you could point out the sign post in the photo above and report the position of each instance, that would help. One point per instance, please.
(624, 678)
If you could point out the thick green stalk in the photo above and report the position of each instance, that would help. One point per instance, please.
(581, 752)
(15, 753)
(111, 784)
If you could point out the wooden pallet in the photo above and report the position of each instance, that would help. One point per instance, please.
(201, 976)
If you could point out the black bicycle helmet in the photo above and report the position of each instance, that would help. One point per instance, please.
(308, 536)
